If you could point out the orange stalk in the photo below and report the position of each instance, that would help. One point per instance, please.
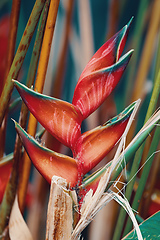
(13, 26)
(39, 84)
(147, 53)
(62, 60)
(146, 59)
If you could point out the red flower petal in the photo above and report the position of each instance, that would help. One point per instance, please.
(47, 162)
(94, 145)
(60, 118)
(109, 53)
(93, 89)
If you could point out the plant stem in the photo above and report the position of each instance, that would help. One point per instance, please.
(29, 83)
(62, 59)
(136, 44)
(39, 83)
(137, 160)
(146, 58)
(153, 148)
(14, 17)
(144, 177)
(20, 55)
(147, 51)
(10, 191)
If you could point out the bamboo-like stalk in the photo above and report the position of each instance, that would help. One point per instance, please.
(39, 83)
(144, 177)
(153, 99)
(146, 57)
(147, 51)
(152, 180)
(10, 191)
(153, 147)
(113, 16)
(62, 59)
(20, 55)
(136, 44)
(29, 83)
(51, 142)
(137, 159)
(59, 216)
(10, 55)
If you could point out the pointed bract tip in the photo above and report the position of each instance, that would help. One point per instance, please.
(127, 55)
(130, 22)
(14, 121)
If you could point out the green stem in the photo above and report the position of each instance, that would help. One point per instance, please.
(153, 147)
(137, 160)
(136, 44)
(10, 192)
(19, 57)
(144, 176)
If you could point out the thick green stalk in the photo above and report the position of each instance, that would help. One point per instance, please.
(136, 44)
(144, 177)
(20, 55)
(137, 159)
(153, 148)
(29, 83)
(124, 158)
(9, 195)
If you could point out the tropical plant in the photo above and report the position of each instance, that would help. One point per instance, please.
(76, 194)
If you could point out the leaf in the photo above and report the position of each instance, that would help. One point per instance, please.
(48, 162)
(94, 145)
(149, 228)
(93, 89)
(18, 229)
(60, 118)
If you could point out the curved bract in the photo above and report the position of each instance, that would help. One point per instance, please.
(94, 88)
(48, 162)
(60, 118)
(63, 120)
(95, 144)
(109, 53)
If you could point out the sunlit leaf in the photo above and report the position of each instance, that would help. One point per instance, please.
(149, 228)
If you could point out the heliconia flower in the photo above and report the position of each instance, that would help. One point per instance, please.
(102, 73)
(63, 120)
(91, 147)
(48, 162)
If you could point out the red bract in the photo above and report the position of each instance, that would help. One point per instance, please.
(48, 162)
(90, 149)
(60, 118)
(63, 119)
(94, 145)
(102, 73)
